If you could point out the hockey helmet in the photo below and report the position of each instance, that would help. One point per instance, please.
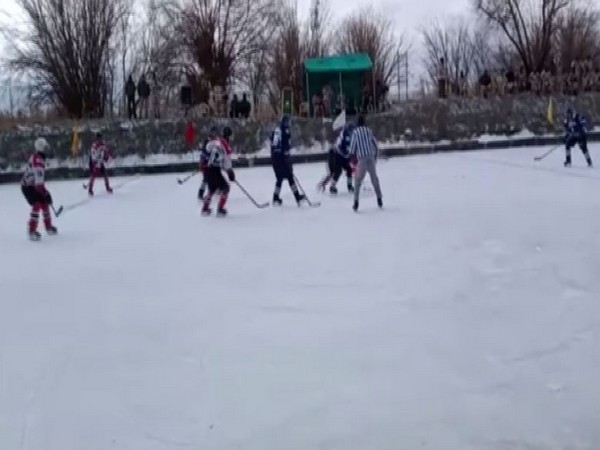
(285, 120)
(213, 132)
(569, 112)
(41, 145)
(98, 135)
(227, 132)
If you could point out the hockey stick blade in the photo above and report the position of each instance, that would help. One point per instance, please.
(252, 200)
(187, 178)
(544, 155)
(58, 212)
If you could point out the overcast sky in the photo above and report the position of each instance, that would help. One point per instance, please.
(408, 16)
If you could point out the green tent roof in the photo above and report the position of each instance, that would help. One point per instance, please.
(339, 63)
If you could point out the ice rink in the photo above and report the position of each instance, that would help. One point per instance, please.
(464, 316)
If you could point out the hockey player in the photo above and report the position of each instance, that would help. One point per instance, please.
(282, 164)
(34, 191)
(576, 134)
(339, 160)
(219, 159)
(99, 155)
(212, 134)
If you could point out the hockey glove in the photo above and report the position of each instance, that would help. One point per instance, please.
(231, 175)
(48, 198)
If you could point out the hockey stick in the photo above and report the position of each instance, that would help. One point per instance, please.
(57, 212)
(187, 178)
(254, 202)
(540, 157)
(311, 204)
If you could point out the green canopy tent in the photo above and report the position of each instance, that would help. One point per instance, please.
(344, 73)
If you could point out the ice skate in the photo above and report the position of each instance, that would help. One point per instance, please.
(206, 211)
(221, 212)
(34, 236)
(380, 203)
(277, 200)
(51, 230)
(333, 190)
(355, 205)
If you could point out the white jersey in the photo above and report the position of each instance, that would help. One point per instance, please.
(218, 154)
(34, 174)
(98, 153)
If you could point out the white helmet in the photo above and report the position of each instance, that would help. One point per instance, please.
(41, 145)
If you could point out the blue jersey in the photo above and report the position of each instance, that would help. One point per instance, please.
(280, 142)
(575, 125)
(342, 143)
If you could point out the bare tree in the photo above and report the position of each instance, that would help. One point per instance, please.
(578, 36)
(365, 31)
(529, 26)
(319, 38)
(219, 36)
(454, 42)
(65, 51)
(288, 53)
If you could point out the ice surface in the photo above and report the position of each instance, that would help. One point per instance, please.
(465, 316)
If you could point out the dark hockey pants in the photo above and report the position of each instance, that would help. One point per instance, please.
(337, 165)
(582, 142)
(216, 182)
(38, 202)
(284, 171)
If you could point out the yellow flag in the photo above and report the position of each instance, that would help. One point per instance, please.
(550, 112)
(75, 142)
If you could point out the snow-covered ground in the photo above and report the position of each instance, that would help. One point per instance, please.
(464, 316)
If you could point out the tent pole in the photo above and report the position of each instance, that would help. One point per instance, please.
(307, 94)
(374, 92)
(342, 105)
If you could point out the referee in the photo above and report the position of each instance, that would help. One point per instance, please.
(364, 146)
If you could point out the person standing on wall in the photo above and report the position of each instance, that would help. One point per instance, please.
(364, 147)
(130, 90)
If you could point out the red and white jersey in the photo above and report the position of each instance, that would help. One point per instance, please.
(99, 153)
(219, 154)
(35, 172)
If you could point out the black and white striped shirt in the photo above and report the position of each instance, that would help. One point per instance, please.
(363, 143)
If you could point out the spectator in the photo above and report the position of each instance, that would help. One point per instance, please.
(130, 94)
(190, 134)
(463, 85)
(155, 96)
(442, 79)
(511, 81)
(327, 98)
(245, 107)
(485, 83)
(234, 111)
(143, 90)
(317, 106)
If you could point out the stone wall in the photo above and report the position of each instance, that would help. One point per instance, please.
(423, 121)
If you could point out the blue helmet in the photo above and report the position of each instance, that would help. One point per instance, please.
(349, 127)
(285, 120)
